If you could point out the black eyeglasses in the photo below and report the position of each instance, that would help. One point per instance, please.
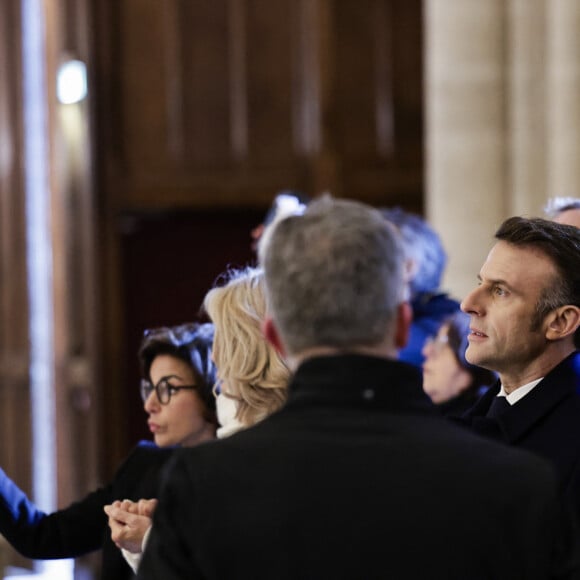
(163, 389)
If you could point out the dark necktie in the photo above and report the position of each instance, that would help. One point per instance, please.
(498, 406)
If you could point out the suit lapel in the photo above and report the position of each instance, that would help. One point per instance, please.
(533, 408)
(476, 416)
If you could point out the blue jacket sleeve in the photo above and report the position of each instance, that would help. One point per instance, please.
(83, 526)
(66, 533)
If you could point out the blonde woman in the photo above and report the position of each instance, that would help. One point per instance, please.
(252, 377)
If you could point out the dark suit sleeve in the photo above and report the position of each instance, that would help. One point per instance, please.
(571, 501)
(72, 531)
(572, 491)
(170, 552)
(66, 533)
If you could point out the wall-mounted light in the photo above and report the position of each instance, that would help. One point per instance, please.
(71, 82)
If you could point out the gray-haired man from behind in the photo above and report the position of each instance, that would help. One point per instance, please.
(357, 476)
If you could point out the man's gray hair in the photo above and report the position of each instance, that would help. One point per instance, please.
(335, 276)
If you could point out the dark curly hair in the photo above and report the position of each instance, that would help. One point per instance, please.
(561, 244)
(190, 342)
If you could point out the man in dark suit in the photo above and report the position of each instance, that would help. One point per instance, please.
(525, 318)
(357, 476)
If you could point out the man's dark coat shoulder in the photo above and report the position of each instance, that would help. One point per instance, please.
(546, 422)
(357, 477)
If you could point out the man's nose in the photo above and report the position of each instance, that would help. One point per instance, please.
(471, 304)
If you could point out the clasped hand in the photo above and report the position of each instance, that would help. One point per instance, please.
(129, 521)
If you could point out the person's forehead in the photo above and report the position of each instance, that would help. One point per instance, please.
(518, 265)
(166, 363)
(570, 217)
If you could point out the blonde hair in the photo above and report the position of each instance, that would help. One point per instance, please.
(255, 374)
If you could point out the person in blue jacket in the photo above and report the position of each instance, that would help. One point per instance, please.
(426, 260)
(178, 377)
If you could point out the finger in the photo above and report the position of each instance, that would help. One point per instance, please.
(117, 532)
(133, 508)
(147, 507)
(120, 515)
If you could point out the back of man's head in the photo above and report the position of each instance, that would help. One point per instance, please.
(335, 276)
(423, 247)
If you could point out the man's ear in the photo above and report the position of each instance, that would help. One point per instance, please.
(403, 324)
(271, 333)
(562, 322)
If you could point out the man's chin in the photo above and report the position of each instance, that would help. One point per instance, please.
(485, 362)
(476, 358)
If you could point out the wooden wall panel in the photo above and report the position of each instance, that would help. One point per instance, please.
(15, 401)
(14, 333)
(269, 66)
(357, 79)
(378, 109)
(144, 75)
(225, 102)
(203, 70)
(208, 108)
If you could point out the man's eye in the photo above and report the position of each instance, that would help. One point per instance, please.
(498, 291)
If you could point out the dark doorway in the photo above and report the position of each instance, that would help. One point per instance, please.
(169, 261)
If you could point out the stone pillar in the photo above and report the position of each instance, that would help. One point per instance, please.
(526, 119)
(465, 130)
(563, 103)
(502, 108)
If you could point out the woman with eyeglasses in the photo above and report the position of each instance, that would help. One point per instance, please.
(451, 382)
(177, 391)
(178, 377)
(252, 377)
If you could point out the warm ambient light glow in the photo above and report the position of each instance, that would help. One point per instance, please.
(71, 83)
